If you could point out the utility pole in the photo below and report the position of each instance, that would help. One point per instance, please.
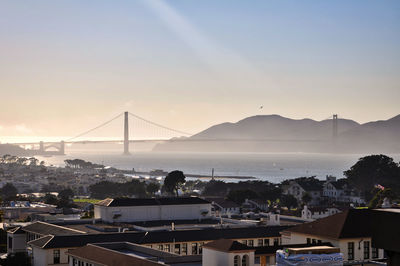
(126, 134)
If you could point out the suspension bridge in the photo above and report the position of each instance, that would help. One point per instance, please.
(163, 133)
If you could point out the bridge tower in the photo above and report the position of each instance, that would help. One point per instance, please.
(41, 146)
(126, 134)
(334, 127)
(62, 147)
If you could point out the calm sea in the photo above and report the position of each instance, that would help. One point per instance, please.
(263, 166)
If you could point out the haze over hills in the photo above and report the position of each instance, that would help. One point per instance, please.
(274, 133)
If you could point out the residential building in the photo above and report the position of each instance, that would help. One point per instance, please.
(18, 237)
(227, 252)
(298, 187)
(350, 231)
(223, 207)
(340, 191)
(312, 213)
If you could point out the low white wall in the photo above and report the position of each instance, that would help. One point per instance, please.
(152, 213)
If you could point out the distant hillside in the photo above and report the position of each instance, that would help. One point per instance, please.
(13, 150)
(274, 127)
(290, 135)
(375, 136)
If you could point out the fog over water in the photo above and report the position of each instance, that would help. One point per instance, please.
(273, 167)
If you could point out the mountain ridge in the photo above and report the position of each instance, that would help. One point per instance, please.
(291, 135)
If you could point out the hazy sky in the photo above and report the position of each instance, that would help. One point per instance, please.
(66, 66)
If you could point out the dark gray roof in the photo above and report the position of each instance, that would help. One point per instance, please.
(40, 242)
(104, 256)
(339, 184)
(352, 223)
(307, 185)
(150, 201)
(209, 234)
(226, 245)
(224, 203)
(43, 228)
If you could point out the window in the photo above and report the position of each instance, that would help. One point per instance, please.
(266, 242)
(276, 241)
(375, 253)
(244, 242)
(160, 247)
(260, 243)
(184, 249)
(250, 243)
(167, 248)
(194, 248)
(245, 260)
(314, 241)
(366, 250)
(308, 240)
(177, 249)
(319, 241)
(56, 256)
(236, 260)
(350, 250)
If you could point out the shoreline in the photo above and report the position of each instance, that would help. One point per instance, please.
(199, 176)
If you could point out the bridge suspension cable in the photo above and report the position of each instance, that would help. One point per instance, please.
(93, 129)
(160, 126)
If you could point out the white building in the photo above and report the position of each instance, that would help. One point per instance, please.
(17, 238)
(318, 212)
(338, 190)
(224, 252)
(350, 231)
(53, 249)
(133, 210)
(297, 188)
(222, 207)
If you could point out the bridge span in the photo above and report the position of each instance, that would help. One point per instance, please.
(43, 147)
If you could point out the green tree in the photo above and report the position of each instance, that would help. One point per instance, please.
(288, 201)
(372, 170)
(152, 188)
(66, 194)
(33, 161)
(306, 198)
(239, 196)
(173, 181)
(50, 199)
(9, 192)
(380, 195)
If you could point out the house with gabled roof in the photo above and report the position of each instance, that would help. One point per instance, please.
(223, 206)
(227, 252)
(312, 213)
(300, 186)
(340, 191)
(18, 237)
(349, 230)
